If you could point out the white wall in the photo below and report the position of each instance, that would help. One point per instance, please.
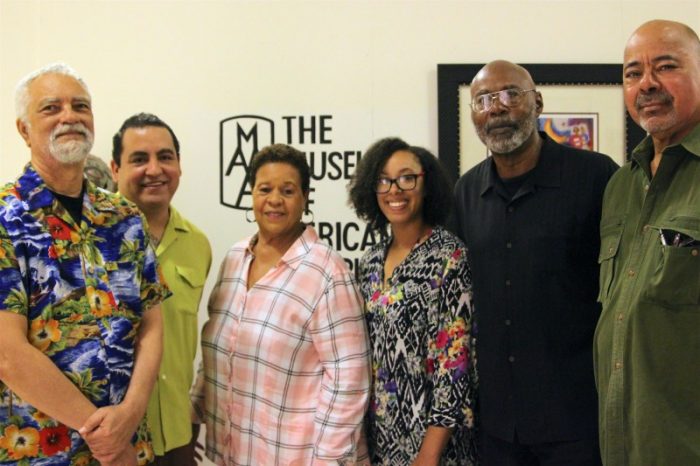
(372, 64)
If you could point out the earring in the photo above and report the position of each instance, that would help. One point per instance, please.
(248, 219)
(308, 212)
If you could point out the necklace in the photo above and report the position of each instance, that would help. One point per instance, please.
(154, 240)
(422, 236)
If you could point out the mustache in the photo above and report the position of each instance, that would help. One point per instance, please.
(657, 97)
(70, 128)
(499, 123)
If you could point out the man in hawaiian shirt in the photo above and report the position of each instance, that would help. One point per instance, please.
(80, 322)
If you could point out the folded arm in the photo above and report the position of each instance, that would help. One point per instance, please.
(52, 393)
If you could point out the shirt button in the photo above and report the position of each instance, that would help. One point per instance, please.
(162, 377)
(630, 273)
(694, 252)
(507, 282)
(620, 316)
(618, 365)
(646, 187)
(645, 228)
(611, 249)
(511, 209)
(508, 322)
(509, 245)
(511, 358)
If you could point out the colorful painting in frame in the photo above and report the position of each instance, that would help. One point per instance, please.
(578, 130)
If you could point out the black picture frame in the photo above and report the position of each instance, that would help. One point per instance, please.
(451, 76)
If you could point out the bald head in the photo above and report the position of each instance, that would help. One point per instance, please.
(504, 68)
(667, 32)
(661, 79)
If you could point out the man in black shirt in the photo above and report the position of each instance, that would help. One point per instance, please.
(529, 215)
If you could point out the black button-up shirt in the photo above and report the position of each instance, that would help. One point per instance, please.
(535, 277)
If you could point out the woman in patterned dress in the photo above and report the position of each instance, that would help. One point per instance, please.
(417, 289)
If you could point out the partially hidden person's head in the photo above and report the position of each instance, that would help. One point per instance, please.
(279, 177)
(505, 106)
(54, 115)
(661, 79)
(399, 184)
(98, 172)
(146, 161)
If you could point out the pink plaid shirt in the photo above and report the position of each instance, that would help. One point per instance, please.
(286, 371)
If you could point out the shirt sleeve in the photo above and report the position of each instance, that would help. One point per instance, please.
(340, 337)
(197, 396)
(449, 358)
(13, 295)
(197, 392)
(154, 289)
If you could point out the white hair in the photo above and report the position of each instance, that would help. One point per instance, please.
(22, 89)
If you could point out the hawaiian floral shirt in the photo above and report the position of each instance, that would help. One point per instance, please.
(422, 340)
(83, 289)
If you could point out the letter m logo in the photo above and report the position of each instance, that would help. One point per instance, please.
(240, 138)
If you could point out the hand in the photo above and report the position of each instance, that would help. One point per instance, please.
(108, 430)
(197, 448)
(126, 457)
(425, 460)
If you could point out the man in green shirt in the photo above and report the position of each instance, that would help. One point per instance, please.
(647, 343)
(146, 167)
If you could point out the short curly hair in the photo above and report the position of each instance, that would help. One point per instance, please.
(281, 153)
(437, 203)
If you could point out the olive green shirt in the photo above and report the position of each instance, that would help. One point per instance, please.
(647, 343)
(184, 255)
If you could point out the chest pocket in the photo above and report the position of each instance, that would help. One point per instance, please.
(610, 236)
(190, 283)
(675, 278)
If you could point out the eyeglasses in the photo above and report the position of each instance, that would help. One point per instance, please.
(507, 97)
(404, 183)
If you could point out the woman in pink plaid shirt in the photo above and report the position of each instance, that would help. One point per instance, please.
(285, 373)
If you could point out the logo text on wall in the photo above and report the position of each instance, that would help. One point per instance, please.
(242, 136)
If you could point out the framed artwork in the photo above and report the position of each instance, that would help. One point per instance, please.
(579, 130)
(578, 98)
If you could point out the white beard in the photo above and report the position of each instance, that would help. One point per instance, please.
(74, 151)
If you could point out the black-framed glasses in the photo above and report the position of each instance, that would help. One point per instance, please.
(507, 97)
(405, 182)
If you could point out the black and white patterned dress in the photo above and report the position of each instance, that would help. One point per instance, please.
(422, 350)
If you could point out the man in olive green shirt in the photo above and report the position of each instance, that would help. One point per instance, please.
(647, 343)
(146, 167)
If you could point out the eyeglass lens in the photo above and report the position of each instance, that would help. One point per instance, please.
(507, 97)
(403, 182)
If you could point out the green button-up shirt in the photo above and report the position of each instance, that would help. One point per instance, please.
(184, 254)
(647, 343)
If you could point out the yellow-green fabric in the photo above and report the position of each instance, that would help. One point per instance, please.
(647, 343)
(184, 255)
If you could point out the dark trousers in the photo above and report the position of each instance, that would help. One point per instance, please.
(497, 452)
(180, 456)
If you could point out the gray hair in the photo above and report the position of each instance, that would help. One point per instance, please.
(22, 89)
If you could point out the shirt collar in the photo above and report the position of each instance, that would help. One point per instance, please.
(547, 172)
(296, 251)
(644, 152)
(32, 188)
